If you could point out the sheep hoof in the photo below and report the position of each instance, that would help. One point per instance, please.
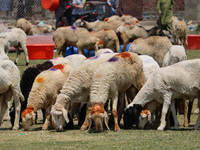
(15, 128)
(15, 63)
(160, 129)
(117, 128)
(27, 63)
(83, 128)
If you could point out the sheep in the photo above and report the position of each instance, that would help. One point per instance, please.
(180, 80)
(40, 29)
(110, 81)
(179, 31)
(24, 24)
(154, 46)
(130, 19)
(75, 36)
(10, 87)
(97, 26)
(175, 54)
(113, 18)
(129, 32)
(26, 83)
(16, 37)
(109, 39)
(76, 90)
(43, 93)
(104, 50)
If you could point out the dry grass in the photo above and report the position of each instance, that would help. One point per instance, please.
(184, 138)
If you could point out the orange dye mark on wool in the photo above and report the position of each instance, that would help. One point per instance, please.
(145, 111)
(137, 21)
(28, 110)
(125, 55)
(127, 24)
(39, 80)
(97, 109)
(106, 29)
(101, 42)
(106, 19)
(56, 67)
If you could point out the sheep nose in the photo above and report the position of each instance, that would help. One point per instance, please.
(60, 129)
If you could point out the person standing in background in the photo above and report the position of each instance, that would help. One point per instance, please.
(63, 13)
(113, 6)
(165, 12)
(77, 8)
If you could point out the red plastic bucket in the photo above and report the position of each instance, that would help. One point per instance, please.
(51, 5)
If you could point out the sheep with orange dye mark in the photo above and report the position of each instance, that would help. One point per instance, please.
(10, 87)
(109, 39)
(110, 81)
(44, 92)
(76, 90)
(77, 37)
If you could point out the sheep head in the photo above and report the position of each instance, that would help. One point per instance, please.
(99, 45)
(28, 118)
(59, 116)
(145, 116)
(131, 116)
(98, 115)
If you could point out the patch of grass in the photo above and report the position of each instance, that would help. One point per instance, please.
(184, 138)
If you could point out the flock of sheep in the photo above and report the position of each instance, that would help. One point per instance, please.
(139, 85)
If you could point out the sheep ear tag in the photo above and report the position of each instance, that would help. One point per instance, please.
(65, 115)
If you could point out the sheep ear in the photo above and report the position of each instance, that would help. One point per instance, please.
(65, 115)
(106, 120)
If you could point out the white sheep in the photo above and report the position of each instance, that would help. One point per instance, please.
(77, 37)
(10, 87)
(74, 60)
(180, 80)
(110, 81)
(154, 46)
(179, 30)
(17, 38)
(76, 89)
(175, 54)
(109, 39)
(40, 29)
(43, 93)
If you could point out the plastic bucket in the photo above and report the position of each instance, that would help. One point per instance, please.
(51, 5)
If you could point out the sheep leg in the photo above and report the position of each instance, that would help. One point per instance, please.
(18, 54)
(17, 112)
(86, 123)
(185, 113)
(173, 111)
(47, 121)
(120, 106)
(3, 107)
(114, 112)
(198, 120)
(166, 103)
(124, 47)
(26, 54)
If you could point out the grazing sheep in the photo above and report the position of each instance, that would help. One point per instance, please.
(76, 90)
(97, 26)
(10, 87)
(175, 54)
(179, 30)
(17, 38)
(110, 81)
(154, 46)
(180, 80)
(26, 83)
(24, 24)
(43, 93)
(104, 50)
(40, 29)
(109, 39)
(75, 36)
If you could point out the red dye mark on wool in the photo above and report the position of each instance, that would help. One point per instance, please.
(56, 67)
(28, 110)
(126, 55)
